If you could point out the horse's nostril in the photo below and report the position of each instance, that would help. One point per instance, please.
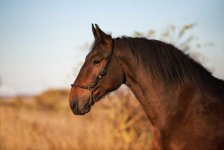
(74, 107)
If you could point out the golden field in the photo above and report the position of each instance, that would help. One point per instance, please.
(45, 122)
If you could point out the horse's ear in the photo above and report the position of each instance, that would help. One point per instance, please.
(94, 32)
(99, 35)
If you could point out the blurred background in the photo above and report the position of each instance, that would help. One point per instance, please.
(43, 45)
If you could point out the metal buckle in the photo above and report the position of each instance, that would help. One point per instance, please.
(102, 73)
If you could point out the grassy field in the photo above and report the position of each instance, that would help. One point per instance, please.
(45, 122)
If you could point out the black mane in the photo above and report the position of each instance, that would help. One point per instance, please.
(169, 64)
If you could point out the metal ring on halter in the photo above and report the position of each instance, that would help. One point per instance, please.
(101, 74)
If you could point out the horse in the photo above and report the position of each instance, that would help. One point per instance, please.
(183, 101)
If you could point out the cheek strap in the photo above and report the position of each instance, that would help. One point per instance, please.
(100, 75)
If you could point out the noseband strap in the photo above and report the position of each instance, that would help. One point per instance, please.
(100, 75)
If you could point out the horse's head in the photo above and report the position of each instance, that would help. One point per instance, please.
(100, 74)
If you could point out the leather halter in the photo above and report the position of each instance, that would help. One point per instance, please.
(100, 75)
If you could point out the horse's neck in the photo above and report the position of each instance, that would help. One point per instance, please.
(138, 81)
(154, 97)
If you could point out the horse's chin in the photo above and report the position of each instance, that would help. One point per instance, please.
(84, 111)
(87, 107)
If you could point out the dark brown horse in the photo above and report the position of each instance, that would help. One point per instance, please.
(183, 101)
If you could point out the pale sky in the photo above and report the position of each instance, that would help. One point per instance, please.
(41, 41)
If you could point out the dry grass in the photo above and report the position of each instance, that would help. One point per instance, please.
(45, 122)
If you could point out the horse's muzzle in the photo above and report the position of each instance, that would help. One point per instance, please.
(75, 109)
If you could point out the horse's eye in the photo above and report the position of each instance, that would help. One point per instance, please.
(96, 62)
